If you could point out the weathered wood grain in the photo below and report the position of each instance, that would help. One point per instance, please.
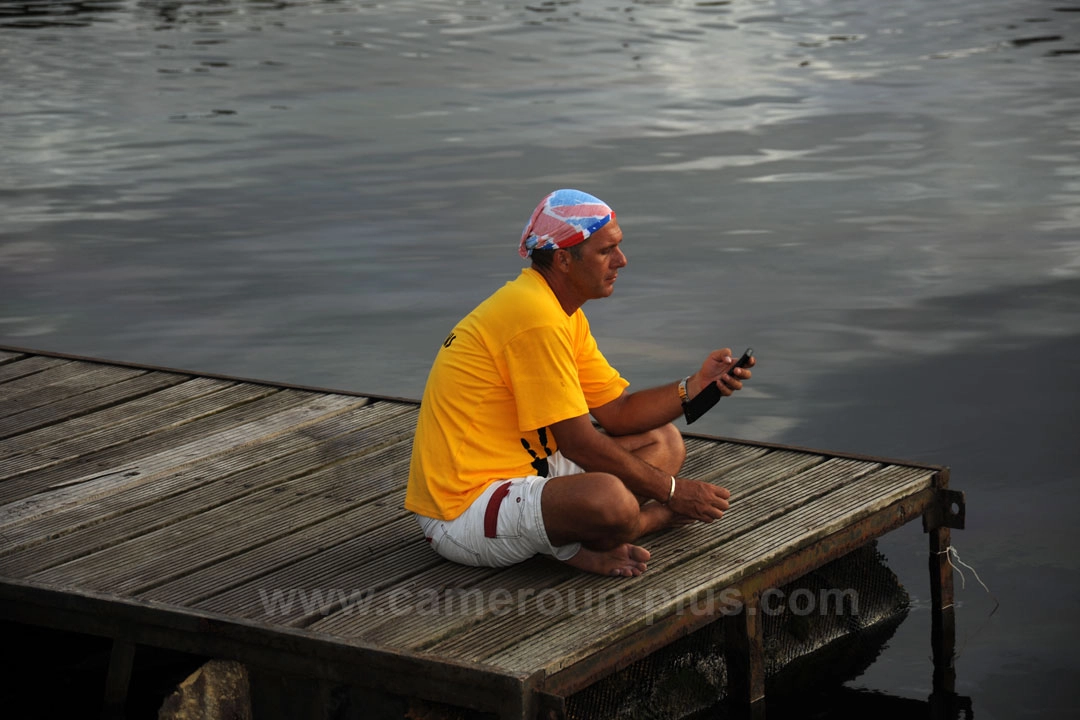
(50, 377)
(47, 492)
(202, 538)
(201, 401)
(27, 365)
(252, 565)
(93, 378)
(49, 418)
(121, 403)
(140, 509)
(235, 407)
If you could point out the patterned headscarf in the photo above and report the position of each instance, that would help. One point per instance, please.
(563, 219)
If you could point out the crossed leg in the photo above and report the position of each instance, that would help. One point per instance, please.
(600, 512)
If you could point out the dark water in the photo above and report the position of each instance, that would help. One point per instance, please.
(883, 199)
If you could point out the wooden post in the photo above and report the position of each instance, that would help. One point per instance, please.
(947, 512)
(116, 685)
(744, 652)
(942, 612)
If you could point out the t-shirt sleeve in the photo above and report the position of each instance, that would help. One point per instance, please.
(600, 382)
(543, 375)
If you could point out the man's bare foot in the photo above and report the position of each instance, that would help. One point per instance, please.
(657, 516)
(626, 560)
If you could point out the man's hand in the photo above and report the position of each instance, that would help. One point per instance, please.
(699, 500)
(717, 368)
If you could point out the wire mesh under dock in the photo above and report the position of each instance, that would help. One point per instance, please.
(263, 522)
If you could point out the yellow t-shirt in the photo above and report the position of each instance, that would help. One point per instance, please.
(511, 368)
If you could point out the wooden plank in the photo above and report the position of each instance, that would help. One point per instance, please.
(31, 364)
(356, 569)
(797, 526)
(56, 375)
(59, 412)
(715, 459)
(586, 633)
(443, 603)
(255, 563)
(47, 492)
(94, 378)
(235, 406)
(776, 467)
(8, 356)
(244, 599)
(199, 540)
(303, 591)
(122, 402)
(204, 398)
(497, 633)
(190, 544)
(230, 406)
(397, 628)
(93, 525)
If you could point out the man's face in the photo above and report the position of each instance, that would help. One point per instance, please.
(593, 276)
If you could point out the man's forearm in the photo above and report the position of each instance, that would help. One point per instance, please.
(644, 410)
(596, 452)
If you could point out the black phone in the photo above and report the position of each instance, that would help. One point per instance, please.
(704, 400)
(741, 362)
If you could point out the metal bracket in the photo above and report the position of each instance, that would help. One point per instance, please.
(946, 512)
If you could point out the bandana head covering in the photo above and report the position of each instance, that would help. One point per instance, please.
(563, 219)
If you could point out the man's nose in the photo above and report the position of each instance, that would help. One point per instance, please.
(620, 258)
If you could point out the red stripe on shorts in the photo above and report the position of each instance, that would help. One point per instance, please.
(491, 515)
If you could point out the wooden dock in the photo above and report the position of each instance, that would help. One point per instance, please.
(263, 522)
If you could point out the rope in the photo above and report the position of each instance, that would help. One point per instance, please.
(950, 553)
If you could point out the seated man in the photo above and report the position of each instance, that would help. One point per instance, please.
(506, 461)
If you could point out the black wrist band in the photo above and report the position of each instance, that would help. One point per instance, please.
(702, 402)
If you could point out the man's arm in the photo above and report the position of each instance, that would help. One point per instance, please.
(594, 451)
(580, 441)
(645, 410)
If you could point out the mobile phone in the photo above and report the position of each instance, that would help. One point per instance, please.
(741, 362)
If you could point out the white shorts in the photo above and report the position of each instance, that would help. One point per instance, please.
(504, 526)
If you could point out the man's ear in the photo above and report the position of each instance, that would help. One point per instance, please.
(562, 259)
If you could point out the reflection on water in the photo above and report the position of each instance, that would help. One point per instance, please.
(50, 13)
(314, 191)
(853, 704)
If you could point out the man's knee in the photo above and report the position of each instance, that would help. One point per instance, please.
(671, 441)
(614, 508)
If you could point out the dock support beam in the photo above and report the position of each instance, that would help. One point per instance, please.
(116, 685)
(939, 519)
(942, 611)
(744, 651)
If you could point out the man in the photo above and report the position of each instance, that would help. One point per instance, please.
(507, 462)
